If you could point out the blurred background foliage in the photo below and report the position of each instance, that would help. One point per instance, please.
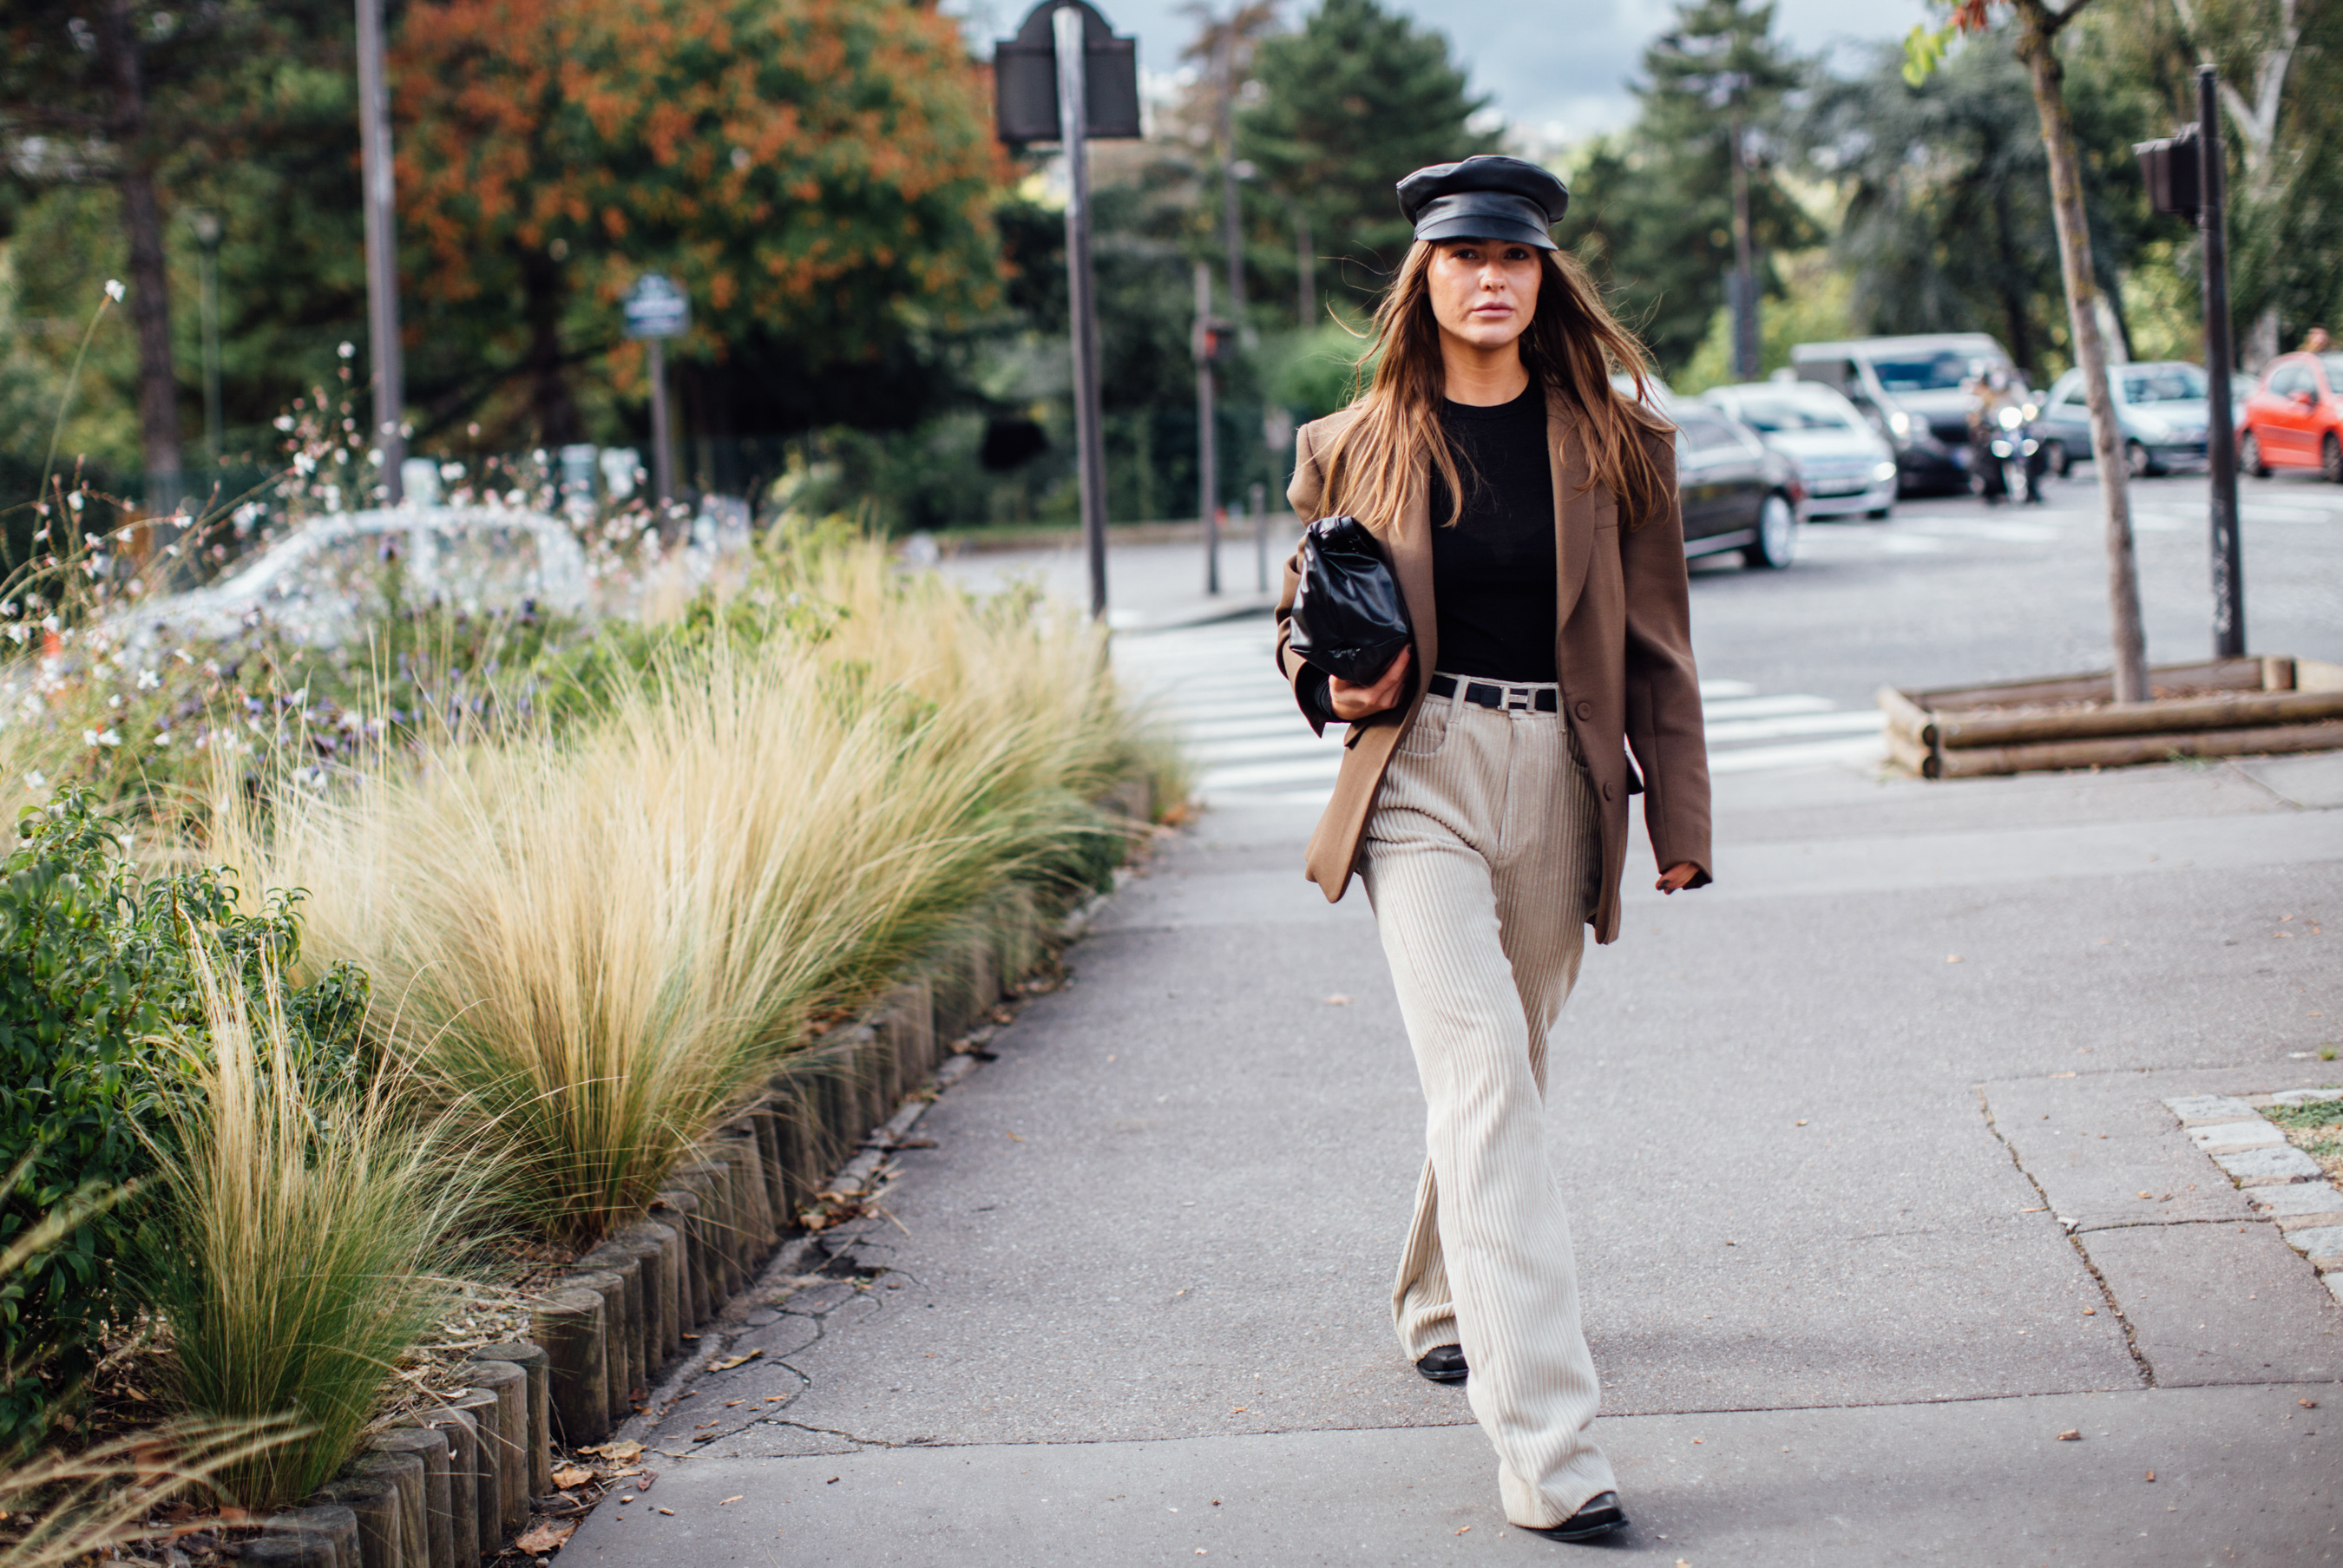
(878, 290)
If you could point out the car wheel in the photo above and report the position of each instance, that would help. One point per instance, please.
(2249, 457)
(1777, 536)
(2136, 462)
(2056, 452)
(2330, 459)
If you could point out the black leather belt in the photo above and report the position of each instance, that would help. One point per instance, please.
(1488, 694)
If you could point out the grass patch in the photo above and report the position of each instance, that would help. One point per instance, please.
(309, 1240)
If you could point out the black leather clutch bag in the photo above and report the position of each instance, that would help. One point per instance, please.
(1348, 617)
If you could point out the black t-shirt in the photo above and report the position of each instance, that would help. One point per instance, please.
(1493, 572)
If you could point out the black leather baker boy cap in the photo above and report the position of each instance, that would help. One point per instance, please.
(1485, 197)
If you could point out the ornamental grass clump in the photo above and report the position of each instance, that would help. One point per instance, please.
(309, 1238)
(599, 943)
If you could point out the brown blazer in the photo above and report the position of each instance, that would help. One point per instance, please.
(1623, 645)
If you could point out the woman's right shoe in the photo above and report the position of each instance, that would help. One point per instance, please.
(1601, 1516)
(1442, 1363)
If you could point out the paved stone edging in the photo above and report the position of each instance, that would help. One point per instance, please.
(2278, 1180)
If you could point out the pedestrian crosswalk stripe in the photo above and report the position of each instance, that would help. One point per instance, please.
(1218, 689)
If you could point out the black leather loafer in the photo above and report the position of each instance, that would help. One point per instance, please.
(1443, 1363)
(1601, 1516)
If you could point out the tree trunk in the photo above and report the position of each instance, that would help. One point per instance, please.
(2038, 46)
(150, 280)
(552, 408)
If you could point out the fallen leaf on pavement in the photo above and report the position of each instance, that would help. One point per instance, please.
(1337, 999)
(2070, 1435)
(1461, 1531)
(668, 1512)
(545, 1535)
(734, 1498)
(2151, 1475)
(624, 1451)
(571, 1475)
(728, 1363)
(2308, 1404)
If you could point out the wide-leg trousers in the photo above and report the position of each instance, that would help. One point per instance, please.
(1481, 859)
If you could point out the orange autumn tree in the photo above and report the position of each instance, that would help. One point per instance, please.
(818, 175)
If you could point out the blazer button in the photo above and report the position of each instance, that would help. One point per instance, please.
(1586, 711)
(1610, 790)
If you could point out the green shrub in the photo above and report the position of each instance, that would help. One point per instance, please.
(96, 977)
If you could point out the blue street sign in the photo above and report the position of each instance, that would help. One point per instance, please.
(656, 308)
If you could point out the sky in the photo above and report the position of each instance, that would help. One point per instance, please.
(1557, 72)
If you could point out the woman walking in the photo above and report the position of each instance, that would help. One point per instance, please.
(1528, 511)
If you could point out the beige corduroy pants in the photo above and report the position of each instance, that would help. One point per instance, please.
(1479, 858)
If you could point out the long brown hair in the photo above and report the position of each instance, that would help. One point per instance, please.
(1572, 344)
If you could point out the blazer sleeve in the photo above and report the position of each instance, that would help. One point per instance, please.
(1663, 687)
(1309, 682)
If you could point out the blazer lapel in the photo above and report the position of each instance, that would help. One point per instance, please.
(1411, 553)
(1574, 508)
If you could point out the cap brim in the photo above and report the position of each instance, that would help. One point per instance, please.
(1480, 226)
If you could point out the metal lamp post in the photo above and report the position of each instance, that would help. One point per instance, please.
(205, 224)
(381, 249)
(1066, 77)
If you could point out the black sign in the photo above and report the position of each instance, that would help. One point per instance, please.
(1025, 78)
(656, 308)
(2173, 171)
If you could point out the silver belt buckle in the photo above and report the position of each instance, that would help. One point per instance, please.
(1519, 698)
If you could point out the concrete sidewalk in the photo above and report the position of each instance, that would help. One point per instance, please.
(1818, 1129)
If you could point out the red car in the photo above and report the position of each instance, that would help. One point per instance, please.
(2294, 420)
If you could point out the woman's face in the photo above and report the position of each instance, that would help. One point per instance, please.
(1483, 292)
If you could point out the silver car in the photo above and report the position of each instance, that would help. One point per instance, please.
(1846, 466)
(2160, 408)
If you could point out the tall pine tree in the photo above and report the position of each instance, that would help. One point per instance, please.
(1349, 105)
(1656, 202)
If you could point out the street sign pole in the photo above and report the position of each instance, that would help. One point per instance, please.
(1073, 129)
(381, 249)
(662, 444)
(656, 310)
(1208, 444)
(2220, 430)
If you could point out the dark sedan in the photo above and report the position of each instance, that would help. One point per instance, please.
(1738, 494)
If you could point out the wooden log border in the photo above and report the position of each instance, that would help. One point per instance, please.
(2282, 705)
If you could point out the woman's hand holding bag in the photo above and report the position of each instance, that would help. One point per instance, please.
(1349, 619)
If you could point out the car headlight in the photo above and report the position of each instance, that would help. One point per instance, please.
(1883, 470)
(1900, 422)
(2010, 418)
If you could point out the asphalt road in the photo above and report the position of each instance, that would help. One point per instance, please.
(1818, 1127)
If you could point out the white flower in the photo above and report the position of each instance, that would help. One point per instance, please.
(110, 737)
(162, 738)
(346, 351)
(305, 463)
(149, 680)
(48, 623)
(89, 738)
(284, 421)
(35, 780)
(75, 500)
(17, 633)
(115, 701)
(114, 289)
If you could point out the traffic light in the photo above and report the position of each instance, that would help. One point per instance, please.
(2171, 168)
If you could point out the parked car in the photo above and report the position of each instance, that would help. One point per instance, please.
(329, 578)
(2294, 420)
(1913, 392)
(1846, 466)
(2161, 407)
(1738, 493)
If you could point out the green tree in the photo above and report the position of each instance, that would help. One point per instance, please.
(2281, 95)
(1945, 195)
(1349, 105)
(818, 175)
(1652, 206)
